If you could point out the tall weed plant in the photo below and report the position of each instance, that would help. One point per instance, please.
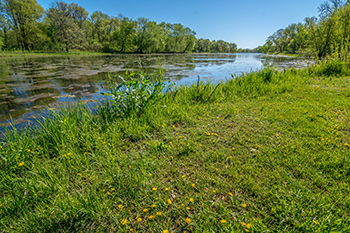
(134, 93)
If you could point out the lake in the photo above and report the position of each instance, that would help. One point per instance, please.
(31, 85)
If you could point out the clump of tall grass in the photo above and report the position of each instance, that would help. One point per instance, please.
(266, 81)
(199, 93)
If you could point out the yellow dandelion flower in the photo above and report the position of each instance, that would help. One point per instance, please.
(79, 174)
(150, 174)
(346, 144)
(214, 191)
(86, 200)
(188, 221)
(188, 208)
(230, 194)
(151, 217)
(103, 190)
(315, 221)
(108, 193)
(154, 206)
(243, 224)
(244, 205)
(169, 201)
(159, 213)
(124, 222)
(166, 189)
(154, 157)
(191, 199)
(21, 164)
(183, 176)
(165, 231)
(139, 219)
(154, 189)
(120, 207)
(28, 150)
(145, 210)
(223, 221)
(248, 225)
(246, 230)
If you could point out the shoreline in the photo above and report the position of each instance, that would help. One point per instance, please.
(226, 157)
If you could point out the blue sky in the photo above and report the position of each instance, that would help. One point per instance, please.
(245, 22)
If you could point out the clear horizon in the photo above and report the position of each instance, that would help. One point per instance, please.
(246, 23)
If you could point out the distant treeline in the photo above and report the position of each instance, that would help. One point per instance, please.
(325, 35)
(25, 25)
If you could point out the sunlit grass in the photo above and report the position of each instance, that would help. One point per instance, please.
(268, 151)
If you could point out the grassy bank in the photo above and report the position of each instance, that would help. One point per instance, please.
(268, 151)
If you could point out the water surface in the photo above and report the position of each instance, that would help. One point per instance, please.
(28, 86)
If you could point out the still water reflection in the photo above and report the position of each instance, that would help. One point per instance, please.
(29, 85)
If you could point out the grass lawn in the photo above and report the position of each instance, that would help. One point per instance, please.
(266, 152)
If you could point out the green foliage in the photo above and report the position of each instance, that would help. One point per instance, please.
(69, 26)
(135, 93)
(251, 159)
(263, 82)
(321, 36)
(331, 67)
(24, 16)
(219, 46)
(65, 20)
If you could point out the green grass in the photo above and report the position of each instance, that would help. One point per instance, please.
(266, 152)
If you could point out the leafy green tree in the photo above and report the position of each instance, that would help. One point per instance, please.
(100, 26)
(78, 14)
(65, 26)
(329, 7)
(146, 35)
(24, 16)
(203, 46)
(5, 26)
(125, 35)
(181, 39)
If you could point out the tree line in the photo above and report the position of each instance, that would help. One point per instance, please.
(326, 34)
(25, 25)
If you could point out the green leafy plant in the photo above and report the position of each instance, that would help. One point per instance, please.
(331, 67)
(135, 93)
